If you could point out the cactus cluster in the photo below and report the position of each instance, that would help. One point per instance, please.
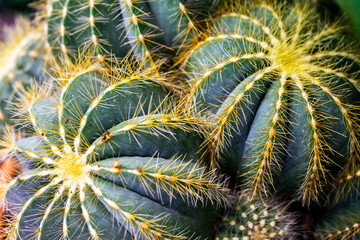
(261, 96)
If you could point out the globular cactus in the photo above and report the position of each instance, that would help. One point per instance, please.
(140, 27)
(340, 222)
(111, 159)
(8, 170)
(255, 219)
(282, 89)
(23, 56)
(340, 219)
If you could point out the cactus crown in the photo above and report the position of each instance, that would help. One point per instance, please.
(87, 147)
(301, 65)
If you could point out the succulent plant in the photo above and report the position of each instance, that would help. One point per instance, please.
(340, 218)
(8, 169)
(23, 56)
(140, 27)
(111, 159)
(255, 219)
(282, 90)
(339, 222)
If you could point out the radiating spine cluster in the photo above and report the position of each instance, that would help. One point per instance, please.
(282, 90)
(112, 158)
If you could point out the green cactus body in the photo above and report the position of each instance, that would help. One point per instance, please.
(111, 160)
(341, 220)
(254, 219)
(22, 60)
(140, 27)
(283, 93)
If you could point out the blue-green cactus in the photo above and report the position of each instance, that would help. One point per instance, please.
(111, 159)
(143, 28)
(340, 218)
(23, 57)
(252, 219)
(282, 91)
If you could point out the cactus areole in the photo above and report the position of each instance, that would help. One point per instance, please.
(283, 91)
(111, 160)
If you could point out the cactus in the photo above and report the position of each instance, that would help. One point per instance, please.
(8, 170)
(140, 27)
(282, 91)
(111, 159)
(254, 219)
(22, 60)
(341, 221)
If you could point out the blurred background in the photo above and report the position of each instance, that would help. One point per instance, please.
(11, 8)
